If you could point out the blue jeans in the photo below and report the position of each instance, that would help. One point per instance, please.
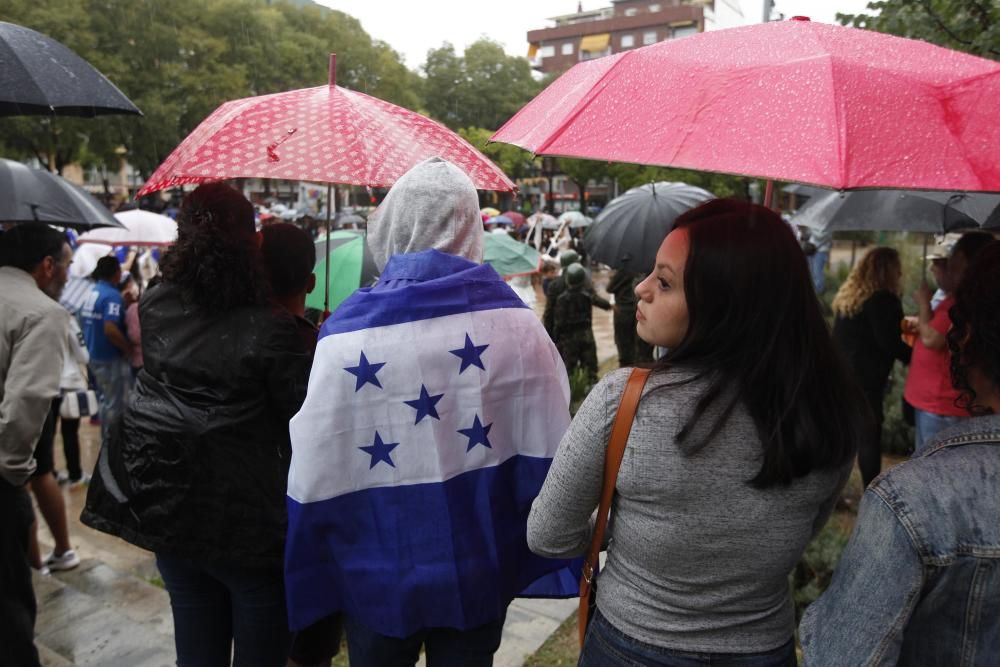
(929, 425)
(111, 377)
(607, 646)
(226, 610)
(817, 268)
(445, 647)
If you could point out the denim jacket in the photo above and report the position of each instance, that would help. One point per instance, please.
(919, 582)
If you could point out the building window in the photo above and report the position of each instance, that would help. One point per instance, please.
(655, 7)
(631, 11)
(546, 51)
(685, 31)
(628, 41)
(649, 37)
(567, 49)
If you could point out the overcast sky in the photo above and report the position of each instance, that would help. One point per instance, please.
(412, 27)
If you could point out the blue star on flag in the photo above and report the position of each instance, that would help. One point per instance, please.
(470, 354)
(477, 434)
(365, 372)
(425, 405)
(379, 451)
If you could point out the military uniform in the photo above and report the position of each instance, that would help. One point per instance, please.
(572, 323)
(631, 349)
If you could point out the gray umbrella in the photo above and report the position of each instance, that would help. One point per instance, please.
(888, 210)
(38, 75)
(630, 229)
(33, 195)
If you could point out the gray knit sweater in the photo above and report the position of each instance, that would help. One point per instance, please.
(698, 559)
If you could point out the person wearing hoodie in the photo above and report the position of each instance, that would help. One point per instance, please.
(435, 404)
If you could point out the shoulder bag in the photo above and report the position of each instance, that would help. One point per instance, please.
(612, 462)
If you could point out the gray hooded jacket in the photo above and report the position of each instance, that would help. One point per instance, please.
(433, 206)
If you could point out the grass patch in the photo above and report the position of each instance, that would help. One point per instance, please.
(561, 649)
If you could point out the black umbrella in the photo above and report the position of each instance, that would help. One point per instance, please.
(34, 195)
(630, 229)
(40, 76)
(898, 210)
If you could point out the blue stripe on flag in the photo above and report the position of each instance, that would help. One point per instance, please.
(451, 554)
(469, 288)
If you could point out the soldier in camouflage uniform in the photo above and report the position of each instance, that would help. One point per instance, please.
(631, 349)
(574, 333)
(556, 287)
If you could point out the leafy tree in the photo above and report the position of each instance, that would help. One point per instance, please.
(178, 61)
(972, 26)
(514, 161)
(482, 88)
(721, 185)
(583, 171)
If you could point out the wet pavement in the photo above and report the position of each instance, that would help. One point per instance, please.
(112, 611)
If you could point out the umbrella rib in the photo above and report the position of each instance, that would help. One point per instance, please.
(582, 106)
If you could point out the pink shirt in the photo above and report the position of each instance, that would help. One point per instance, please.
(928, 385)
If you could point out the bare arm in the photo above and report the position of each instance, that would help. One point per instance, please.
(116, 336)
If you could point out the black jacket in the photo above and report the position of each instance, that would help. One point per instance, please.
(201, 455)
(871, 340)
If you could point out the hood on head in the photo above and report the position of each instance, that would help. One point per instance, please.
(433, 206)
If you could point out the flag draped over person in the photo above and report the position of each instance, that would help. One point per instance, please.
(435, 406)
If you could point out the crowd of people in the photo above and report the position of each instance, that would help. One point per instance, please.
(403, 472)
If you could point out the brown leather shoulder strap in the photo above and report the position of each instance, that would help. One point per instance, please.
(620, 430)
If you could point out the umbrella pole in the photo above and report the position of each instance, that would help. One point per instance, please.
(326, 281)
(768, 193)
(925, 258)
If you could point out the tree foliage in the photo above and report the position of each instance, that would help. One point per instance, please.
(180, 60)
(482, 88)
(514, 161)
(972, 26)
(721, 185)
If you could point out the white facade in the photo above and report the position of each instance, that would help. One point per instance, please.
(722, 14)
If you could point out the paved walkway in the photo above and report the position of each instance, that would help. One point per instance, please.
(111, 611)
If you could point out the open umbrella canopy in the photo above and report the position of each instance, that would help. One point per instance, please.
(509, 257)
(544, 219)
(139, 228)
(351, 267)
(517, 218)
(324, 134)
(34, 195)
(500, 220)
(576, 219)
(630, 229)
(790, 101)
(887, 210)
(38, 75)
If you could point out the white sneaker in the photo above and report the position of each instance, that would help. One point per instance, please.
(65, 561)
(83, 481)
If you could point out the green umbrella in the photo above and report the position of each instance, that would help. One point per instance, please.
(507, 256)
(351, 267)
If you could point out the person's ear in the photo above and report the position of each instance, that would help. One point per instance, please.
(310, 283)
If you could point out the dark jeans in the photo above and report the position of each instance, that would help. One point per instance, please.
(870, 451)
(606, 646)
(445, 647)
(223, 610)
(17, 598)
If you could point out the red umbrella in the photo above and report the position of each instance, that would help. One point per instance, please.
(516, 218)
(325, 134)
(792, 101)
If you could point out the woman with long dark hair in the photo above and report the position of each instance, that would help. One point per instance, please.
(744, 436)
(867, 329)
(197, 470)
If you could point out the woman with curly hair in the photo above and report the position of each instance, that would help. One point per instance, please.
(868, 313)
(918, 584)
(196, 472)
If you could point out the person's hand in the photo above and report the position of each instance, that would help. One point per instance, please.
(923, 294)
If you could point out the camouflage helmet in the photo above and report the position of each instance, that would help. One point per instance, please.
(575, 275)
(567, 257)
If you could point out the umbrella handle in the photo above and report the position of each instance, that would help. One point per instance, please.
(326, 281)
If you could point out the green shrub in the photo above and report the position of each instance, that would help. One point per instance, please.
(814, 570)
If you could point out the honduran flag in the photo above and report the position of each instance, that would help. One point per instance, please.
(435, 406)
